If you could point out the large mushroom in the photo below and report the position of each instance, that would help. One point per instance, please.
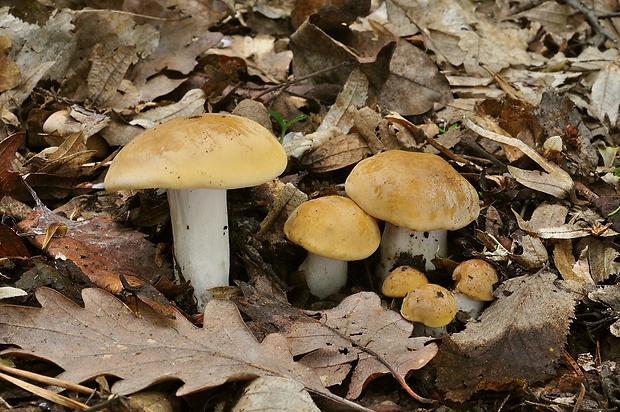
(334, 230)
(197, 159)
(419, 196)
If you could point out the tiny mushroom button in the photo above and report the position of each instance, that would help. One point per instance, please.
(420, 197)
(197, 159)
(334, 230)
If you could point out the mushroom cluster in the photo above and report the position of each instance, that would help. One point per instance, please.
(197, 159)
(334, 230)
(434, 306)
(431, 307)
(419, 196)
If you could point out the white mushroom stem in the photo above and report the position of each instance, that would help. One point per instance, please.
(324, 276)
(468, 305)
(200, 230)
(397, 240)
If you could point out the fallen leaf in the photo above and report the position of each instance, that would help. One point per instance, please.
(554, 180)
(270, 393)
(338, 152)
(11, 245)
(106, 338)
(410, 73)
(103, 250)
(11, 183)
(517, 339)
(358, 330)
(605, 99)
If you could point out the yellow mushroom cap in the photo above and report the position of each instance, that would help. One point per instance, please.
(333, 227)
(217, 151)
(430, 304)
(402, 280)
(475, 278)
(417, 191)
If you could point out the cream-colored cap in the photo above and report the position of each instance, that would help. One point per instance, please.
(218, 151)
(333, 227)
(417, 191)
(475, 278)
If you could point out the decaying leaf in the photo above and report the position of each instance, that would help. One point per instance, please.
(517, 339)
(359, 329)
(554, 180)
(275, 393)
(150, 349)
(11, 183)
(605, 99)
(336, 153)
(103, 251)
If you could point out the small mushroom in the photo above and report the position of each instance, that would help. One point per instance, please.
(334, 230)
(420, 197)
(401, 281)
(431, 305)
(474, 285)
(197, 159)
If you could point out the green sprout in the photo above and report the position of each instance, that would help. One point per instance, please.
(285, 124)
(617, 171)
(452, 126)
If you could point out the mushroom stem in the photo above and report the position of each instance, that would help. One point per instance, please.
(200, 230)
(324, 276)
(397, 240)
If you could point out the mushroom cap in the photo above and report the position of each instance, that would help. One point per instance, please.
(217, 151)
(401, 281)
(430, 304)
(475, 278)
(417, 191)
(333, 227)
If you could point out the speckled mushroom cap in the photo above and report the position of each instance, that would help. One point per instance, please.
(430, 304)
(418, 191)
(475, 278)
(401, 281)
(333, 227)
(203, 151)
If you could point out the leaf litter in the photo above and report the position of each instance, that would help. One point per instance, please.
(519, 96)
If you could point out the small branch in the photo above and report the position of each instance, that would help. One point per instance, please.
(302, 78)
(127, 13)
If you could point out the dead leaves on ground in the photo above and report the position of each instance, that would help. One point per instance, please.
(540, 98)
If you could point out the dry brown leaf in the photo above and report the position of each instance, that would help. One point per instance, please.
(103, 250)
(338, 152)
(554, 180)
(359, 329)
(107, 72)
(517, 339)
(410, 72)
(106, 338)
(271, 393)
(11, 183)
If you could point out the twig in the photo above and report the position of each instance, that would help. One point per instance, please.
(591, 17)
(128, 13)
(49, 381)
(302, 78)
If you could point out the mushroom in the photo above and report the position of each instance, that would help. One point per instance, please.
(334, 230)
(420, 197)
(402, 280)
(474, 285)
(431, 305)
(197, 159)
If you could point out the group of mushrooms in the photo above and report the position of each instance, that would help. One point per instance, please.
(418, 195)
